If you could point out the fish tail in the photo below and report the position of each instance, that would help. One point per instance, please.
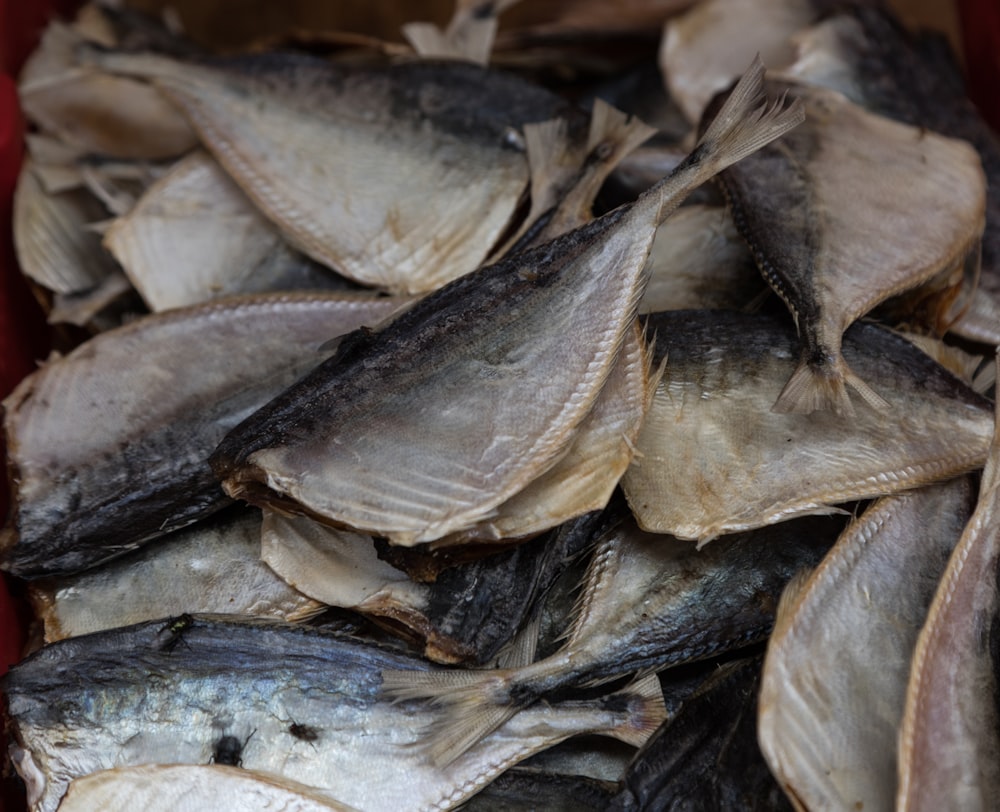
(647, 711)
(824, 388)
(614, 134)
(745, 123)
(475, 704)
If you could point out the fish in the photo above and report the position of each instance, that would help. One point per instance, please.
(949, 745)
(704, 49)
(168, 787)
(194, 236)
(94, 110)
(465, 614)
(648, 602)
(402, 177)
(920, 82)
(706, 757)
(521, 789)
(212, 566)
(829, 713)
(479, 387)
(807, 210)
(713, 458)
(140, 470)
(134, 700)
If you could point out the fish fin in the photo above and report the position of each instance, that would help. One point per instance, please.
(471, 41)
(521, 650)
(650, 711)
(810, 389)
(788, 603)
(550, 155)
(614, 132)
(745, 123)
(603, 556)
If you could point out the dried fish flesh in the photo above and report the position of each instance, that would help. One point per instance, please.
(194, 236)
(402, 177)
(170, 692)
(479, 388)
(693, 605)
(829, 712)
(949, 745)
(140, 470)
(714, 459)
(830, 218)
(706, 757)
(171, 787)
(212, 566)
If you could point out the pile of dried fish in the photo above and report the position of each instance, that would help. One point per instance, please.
(430, 415)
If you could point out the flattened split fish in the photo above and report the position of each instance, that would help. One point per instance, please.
(424, 428)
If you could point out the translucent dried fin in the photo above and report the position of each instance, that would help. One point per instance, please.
(470, 33)
(745, 123)
(438, 687)
(650, 711)
(521, 650)
(811, 389)
(612, 129)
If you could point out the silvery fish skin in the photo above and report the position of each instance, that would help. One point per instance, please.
(465, 614)
(290, 700)
(829, 713)
(194, 236)
(694, 604)
(920, 83)
(402, 177)
(807, 211)
(212, 566)
(700, 473)
(479, 388)
(140, 470)
(949, 741)
(706, 757)
(172, 787)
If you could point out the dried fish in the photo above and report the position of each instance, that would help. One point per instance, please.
(479, 388)
(54, 246)
(402, 177)
(830, 219)
(704, 49)
(693, 605)
(919, 82)
(715, 459)
(467, 613)
(949, 745)
(194, 236)
(829, 712)
(98, 112)
(706, 757)
(212, 566)
(527, 790)
(122, 698)
(140, 470)
(170, 787)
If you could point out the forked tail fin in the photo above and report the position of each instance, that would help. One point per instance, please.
(813, 388)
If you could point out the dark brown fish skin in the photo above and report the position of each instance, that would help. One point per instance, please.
(479, 607)
(523, 789)
(706, 757)
(914, 78)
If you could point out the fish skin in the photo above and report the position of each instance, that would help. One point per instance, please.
(486, 344)
(829, 714)
(211, 566)
(168, 692)
(949, 744)
(79, 498)
(806, 207)
(706, 757)
(711, 446)
(388, 140)
(695, 604)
